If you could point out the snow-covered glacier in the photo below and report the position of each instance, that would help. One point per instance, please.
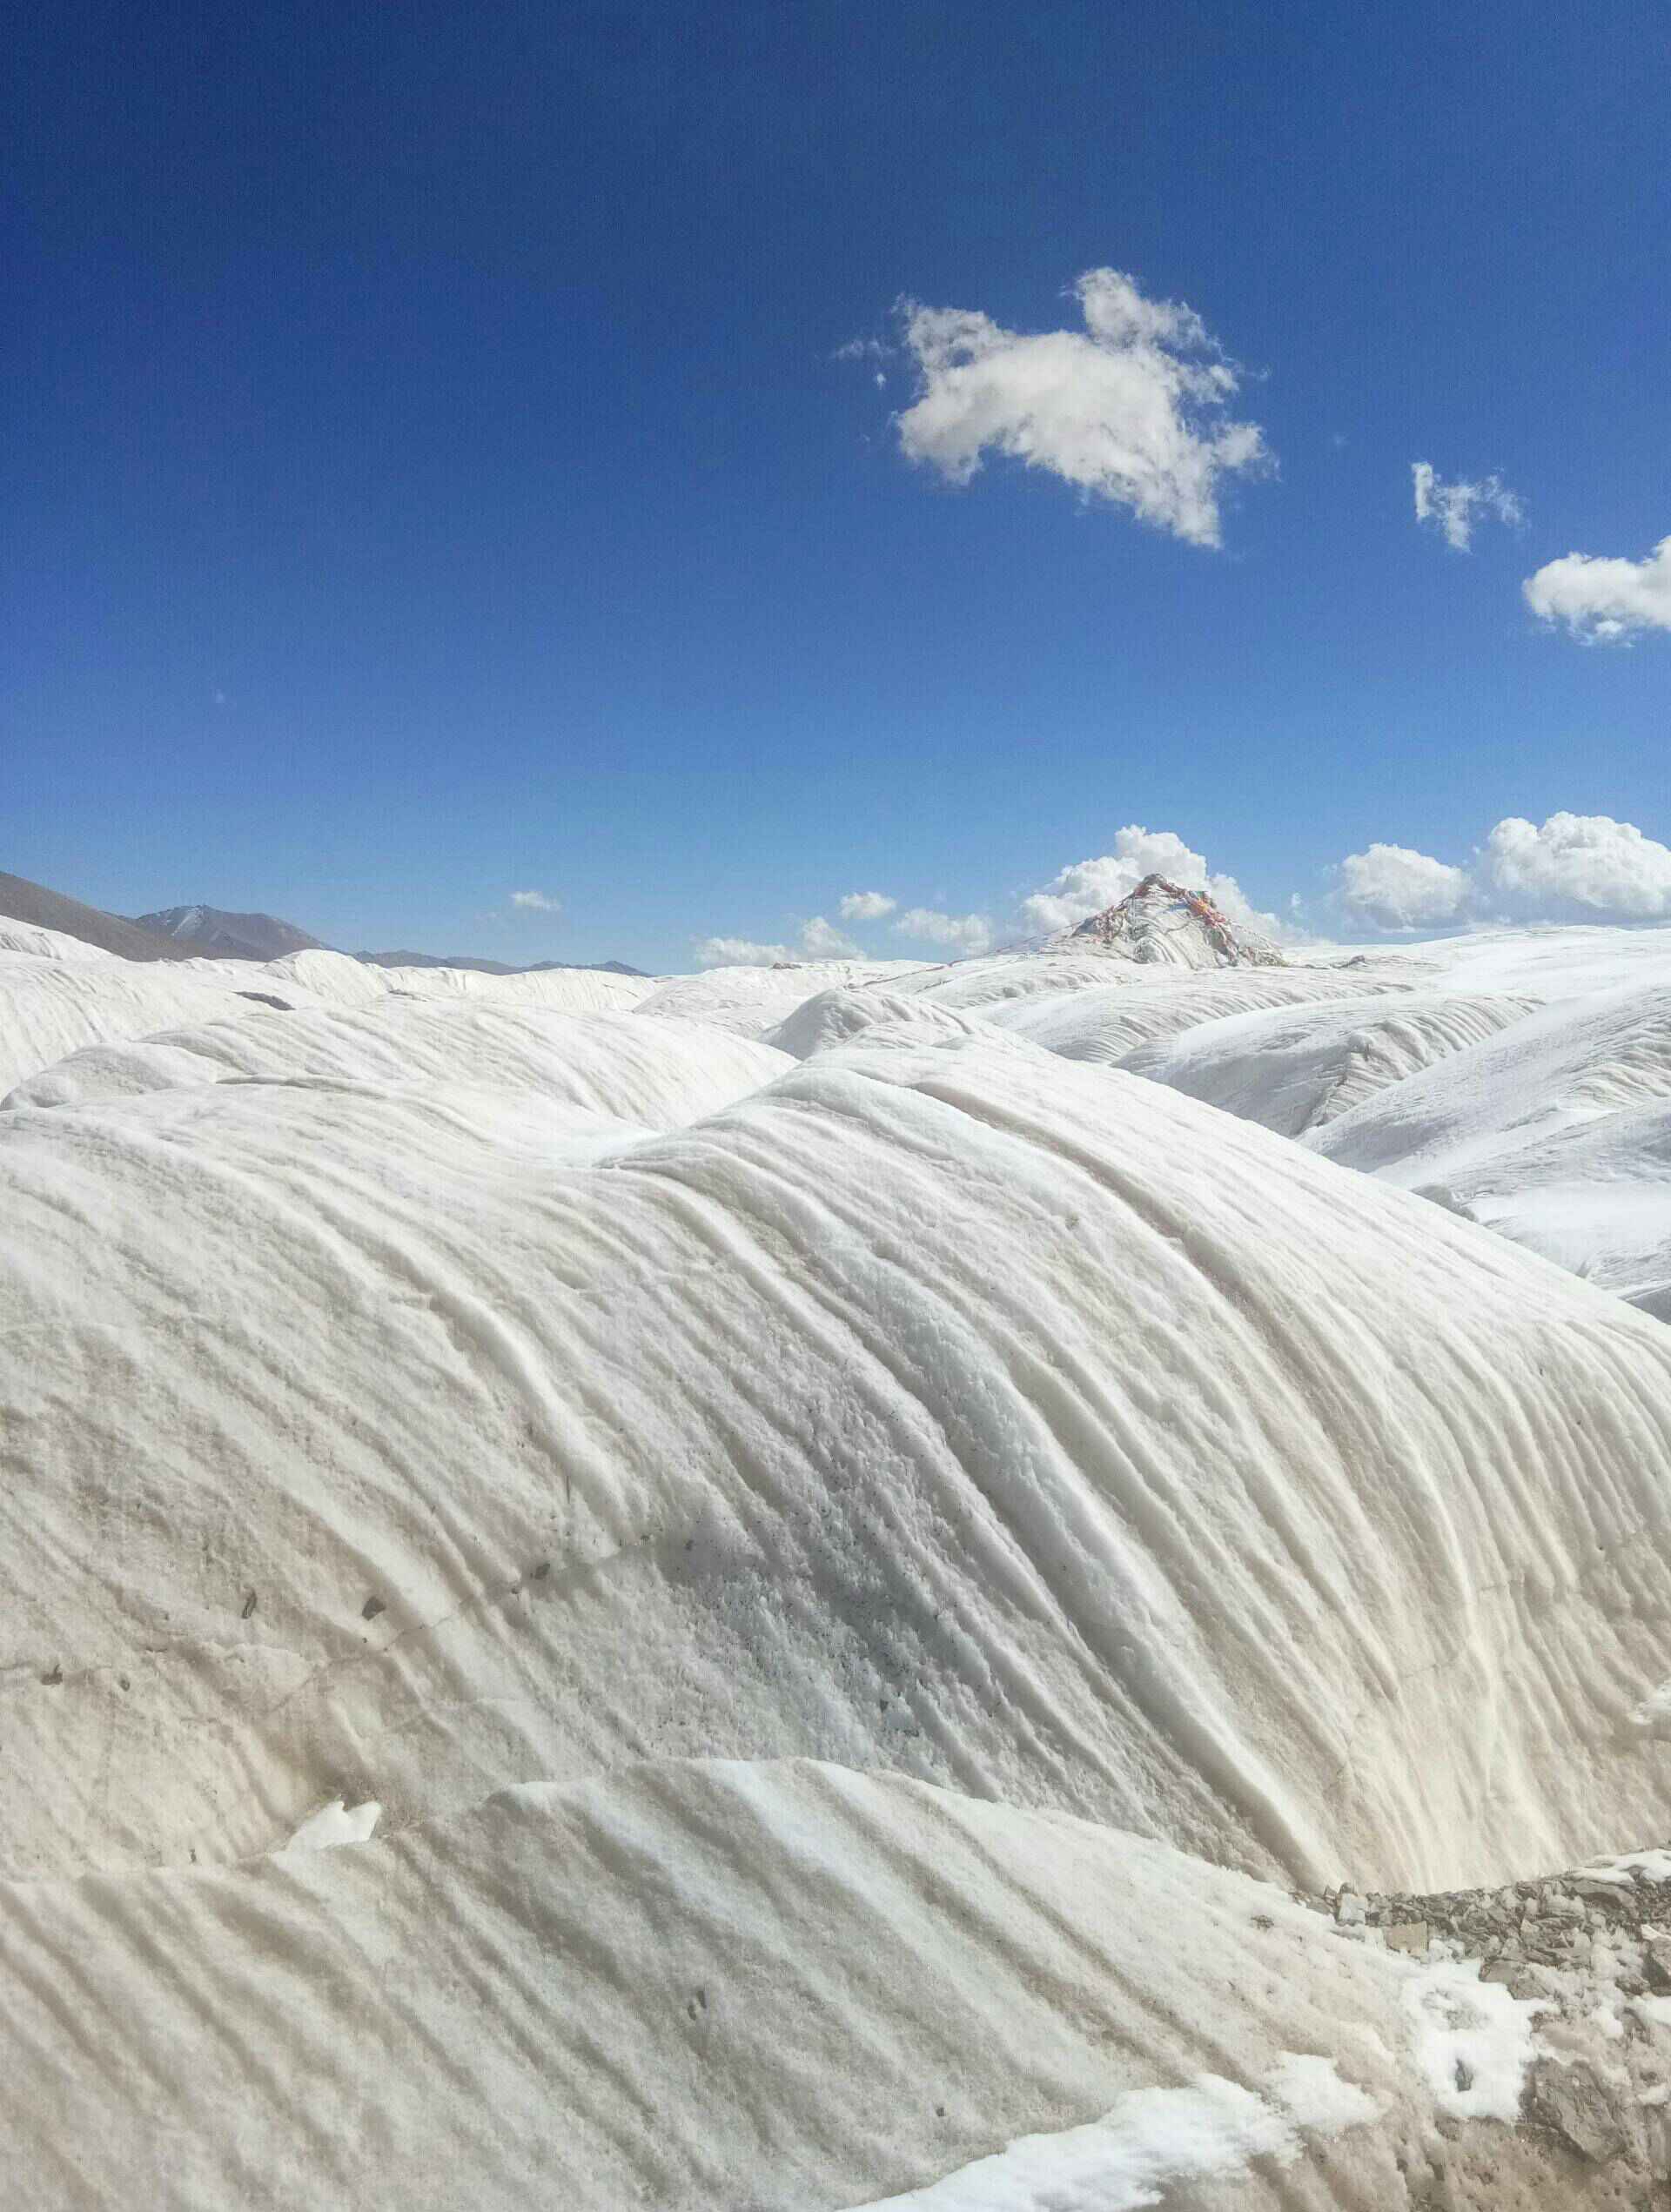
(828, 1570)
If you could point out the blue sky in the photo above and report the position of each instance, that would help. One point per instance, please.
(429, 473)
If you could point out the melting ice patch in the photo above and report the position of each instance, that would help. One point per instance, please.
(1150, 2138)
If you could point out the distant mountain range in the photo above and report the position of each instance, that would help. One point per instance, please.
(491, 967)
(22, 901)
(213, 934)
(206, 932)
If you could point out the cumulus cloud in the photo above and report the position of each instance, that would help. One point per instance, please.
(1601, 601)
(866, 906)
(536, 902)
(1088, 887)
(1453, 509)
(1584, 868)
(821, 940)
(818, 939)
(738, 952)
(966, 933)
(1393, 886)
(1127, 410)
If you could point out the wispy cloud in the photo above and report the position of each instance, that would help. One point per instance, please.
(536, 902)
(1604, 600)
(1455, 509)
(1129, 410)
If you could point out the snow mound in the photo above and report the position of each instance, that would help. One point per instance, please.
(36, 943)
(1107, 1024)
(753, 1000)
(50, 1006)
(1003, 979)
(1548, 964)
(691, 1984)
(657, 1076)
(569, 990)
(1595, 1198)
(1294, 1070)
(335, 979)
(1569, 1063)
(836, 1017)
(950, 1408)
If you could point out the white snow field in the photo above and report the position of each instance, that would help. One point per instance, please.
(753, 1000)
(1294, 1069)
(773, 1985)
(652, 1074)
(596, 1610)
(46, 944)
(1106, 1023)
(1550, 962)
(50, 1005)
(1553, 1134)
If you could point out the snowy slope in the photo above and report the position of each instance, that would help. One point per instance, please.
(978, 986)
(1108, 1023)
(1595, 1198)
(29, 938)
(1294, 1069)
(1548, 964)
(335, 979)
(1567, 1063)
(753, 1000)
(691, 1986)
(836, 1017)
(50, 1006)
(661, 1076)
(951, 1408)
(597, 1613)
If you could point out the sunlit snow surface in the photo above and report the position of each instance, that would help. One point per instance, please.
(800, 1550)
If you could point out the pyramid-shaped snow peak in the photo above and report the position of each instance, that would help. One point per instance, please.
(1161, 922)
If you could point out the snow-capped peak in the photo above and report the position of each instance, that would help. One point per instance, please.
(1159, 920)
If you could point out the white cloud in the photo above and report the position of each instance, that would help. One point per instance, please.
(536, 902)
(866, 906)
(1454, 508)
(821, 940)
(1393, 886)
(1584, 868)
(1603, 600)
(1587, 865)
(1127, 410)
(1089, 886)
(968, 932)
(738, 952)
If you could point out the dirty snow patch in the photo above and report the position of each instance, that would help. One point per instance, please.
(1149, 2139)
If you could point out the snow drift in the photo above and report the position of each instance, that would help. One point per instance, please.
(952, 1408)
(595, 1610)
(697, 1984)
(1295, 1070)
(657, 1074)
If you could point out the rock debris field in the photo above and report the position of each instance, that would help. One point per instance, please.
(982, 1587)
